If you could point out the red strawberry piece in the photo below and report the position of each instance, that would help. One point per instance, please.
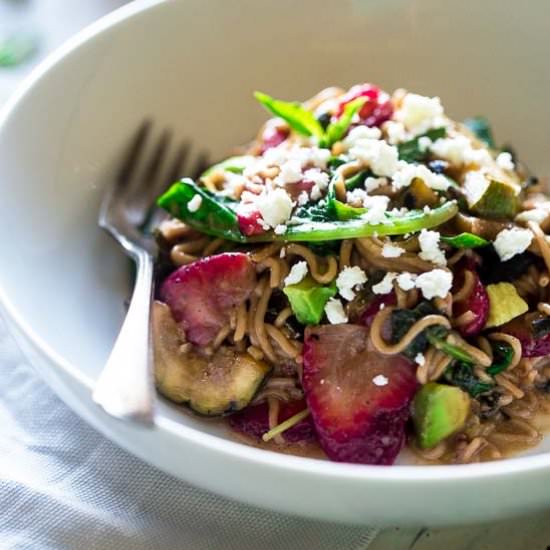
(376, 110)
(477, 302)
(374, 306)
(201, 295)
(273, 136)
(356, 420)
(254, 422)
(530, 345)
(249, 219)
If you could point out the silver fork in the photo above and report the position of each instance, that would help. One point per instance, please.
(124, 388)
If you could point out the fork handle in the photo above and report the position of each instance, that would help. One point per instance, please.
(125, 386)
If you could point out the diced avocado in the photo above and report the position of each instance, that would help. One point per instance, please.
(438, 412)
(308, 299)
(490, 198)
(420, 194)
(504, 304)
(211, 385)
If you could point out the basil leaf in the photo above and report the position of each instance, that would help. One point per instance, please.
(336, 130)
(410, 151)
(212, 217)
(480, 127)
(465, 240)
(296, 115)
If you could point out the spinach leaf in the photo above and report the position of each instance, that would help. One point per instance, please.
(502, 357)
(212, 217)
(403, 319)
(295, 114)
(462, 375)
(314, 212)
(410, 151)
(437, 338)
(336, 130)
(334, 162)
(465, 240)
(481, 128)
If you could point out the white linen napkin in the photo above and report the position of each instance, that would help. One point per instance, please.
(63, 486)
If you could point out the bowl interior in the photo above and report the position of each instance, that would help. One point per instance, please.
(192, 66)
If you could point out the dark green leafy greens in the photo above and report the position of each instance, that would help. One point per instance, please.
(212, 217)
(481, 128)
(411, 151)
(462, 375)
(465, 240)
(502, 357)
(337, 130)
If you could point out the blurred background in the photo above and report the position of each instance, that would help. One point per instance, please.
(30, 29)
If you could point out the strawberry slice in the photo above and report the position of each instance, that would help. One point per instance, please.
(477, 302)
(378, 302)
(359, 399)
(201, 295)
(272, 137)
(254, 422)
(376, 110)
(249, 219)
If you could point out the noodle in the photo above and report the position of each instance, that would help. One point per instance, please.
(313, 263)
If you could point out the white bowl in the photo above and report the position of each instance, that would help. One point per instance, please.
(193, 65)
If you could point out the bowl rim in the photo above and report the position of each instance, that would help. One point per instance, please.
(214, 443)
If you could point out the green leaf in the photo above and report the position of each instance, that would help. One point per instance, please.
(235, 165)
(337, 130)
(438, 340)
(414, 221)
(465, 240)
(295, 114)
(502, 357)
(410, 151)
(462, 375)
(212, 217)
(481, 128)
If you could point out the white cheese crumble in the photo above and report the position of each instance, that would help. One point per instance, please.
(380, 380)
(424, 143)
(510, 242)
(297, 272)
(459, 150)
(419, 359)
(275, 206)
(395, 131)
(315, 193)
(291, 172)
(379, 155)
(360, 133)
(385, 286)
(377, 206)
(420, 113)
(407, 172)
(350, 278)
(435, 283)
(475, 185)
(356, 197)
(317, 177)
(194, 204)
(371, 184)
(280, 229)
(406, 281)
(429, 247)
(319, 157)
(537, 215)
(504, 161)
(303, 198)
(392, 251)
(335, 312)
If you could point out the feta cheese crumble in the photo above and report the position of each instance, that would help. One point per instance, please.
(510, 242)
(392, 251)
(280, 229)
(420, 113)
(429, 247)
(360, 133)
(504, 161)
(377, 206)
(419, 359)
(350, 278)
(435, 283)
(291, 172)
(537, 215)
(275, 206)
(459, 150)
(380, 380)
(297, 272)
(408, 172)
(317, 177)
(385, 286)
(406, 281)
(194, 204)
(379, 155)
(371, 184)
(335, 312)
(395, 131)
